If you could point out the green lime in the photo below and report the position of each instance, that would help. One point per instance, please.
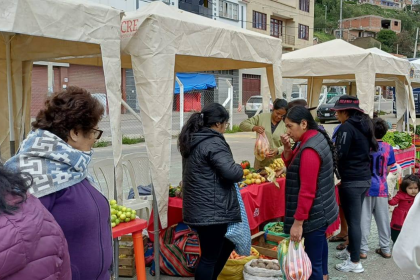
(128, 219)
(113, 224)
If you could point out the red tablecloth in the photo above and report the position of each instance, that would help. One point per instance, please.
(262, 203)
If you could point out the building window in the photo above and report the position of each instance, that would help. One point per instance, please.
(303, 32)
(259, 20)
(304, 5)
(276, 27)
(396, 23)
(228, 10)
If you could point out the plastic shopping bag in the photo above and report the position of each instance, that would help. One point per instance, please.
(239, 233)
(262, 146)
(294, 262)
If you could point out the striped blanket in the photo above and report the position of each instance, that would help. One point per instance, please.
(179, 251)
(405, 158)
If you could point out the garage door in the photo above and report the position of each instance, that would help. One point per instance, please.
(251, 85)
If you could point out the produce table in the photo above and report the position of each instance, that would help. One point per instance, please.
(263, 202)
(405, 158)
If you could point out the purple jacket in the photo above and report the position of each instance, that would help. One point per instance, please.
(83, 214)
(32, 244)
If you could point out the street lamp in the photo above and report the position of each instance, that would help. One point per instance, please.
(325, 24)
(341, 19)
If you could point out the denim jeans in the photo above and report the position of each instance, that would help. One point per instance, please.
(316, 247)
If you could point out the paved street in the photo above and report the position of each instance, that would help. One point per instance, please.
(242, 145)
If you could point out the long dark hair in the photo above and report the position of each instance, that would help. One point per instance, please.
(297, 114)
(211, 114)
(408, 180)
(12, 184)
(280, 104)
(367, 123)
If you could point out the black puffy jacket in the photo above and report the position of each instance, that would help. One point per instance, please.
(208, 177)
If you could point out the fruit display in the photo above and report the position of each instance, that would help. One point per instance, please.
(175, 191)
(245, 164)
(120, 214)
(278, 165)
(261, 263)
(253, 178)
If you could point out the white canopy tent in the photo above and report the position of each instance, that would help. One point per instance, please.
(34, 30)
(160, 41)
(342, 62)
(415, 73)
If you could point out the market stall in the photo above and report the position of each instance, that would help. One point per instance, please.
(404, 149)
(339, 61)
(159, 41)
(34, 30)
(263, 202)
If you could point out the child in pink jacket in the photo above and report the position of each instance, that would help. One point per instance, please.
(409, 188)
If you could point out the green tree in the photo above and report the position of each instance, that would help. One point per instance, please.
(405, 44)
(387, 38)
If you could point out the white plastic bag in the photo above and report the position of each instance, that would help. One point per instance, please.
(257, 273)
(294, 261)
(262, 147)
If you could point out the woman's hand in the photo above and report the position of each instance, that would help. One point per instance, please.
(258, 129)
(280, 172)
(296, 231)
(285, 140)
(272, 153)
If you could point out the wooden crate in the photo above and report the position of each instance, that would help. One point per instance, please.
(127, 271)
(259, 243)
(126, 265)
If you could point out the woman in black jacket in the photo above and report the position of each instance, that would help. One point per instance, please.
(355, 140)
(208, 177)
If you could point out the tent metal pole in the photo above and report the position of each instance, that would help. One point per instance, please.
(156, 234)
(379, 98)
(230, 94)
(10, 94)
(154, 207)
(181, 103)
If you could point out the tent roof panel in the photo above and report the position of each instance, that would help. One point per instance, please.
(173, 31)
(64, 19)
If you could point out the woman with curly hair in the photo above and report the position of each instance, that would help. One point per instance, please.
(57, 154)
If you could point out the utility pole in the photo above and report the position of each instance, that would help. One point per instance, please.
(341, 19)
(325, 26)
(415, 45)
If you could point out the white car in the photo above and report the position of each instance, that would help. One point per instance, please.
(253, 104)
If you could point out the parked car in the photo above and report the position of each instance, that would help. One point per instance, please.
(253, 104)
(324, 112)
(386, 104)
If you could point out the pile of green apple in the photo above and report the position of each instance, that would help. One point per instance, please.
(120, 214)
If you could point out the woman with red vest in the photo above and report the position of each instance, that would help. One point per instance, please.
(310, 191)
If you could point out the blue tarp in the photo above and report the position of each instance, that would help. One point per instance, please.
(195, 81)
